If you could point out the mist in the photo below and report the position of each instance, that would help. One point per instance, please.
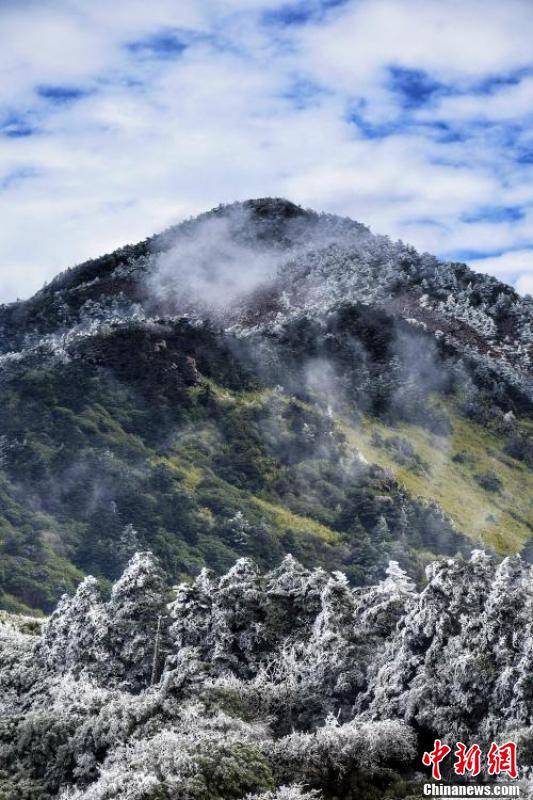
(209, 270)
(218, 265)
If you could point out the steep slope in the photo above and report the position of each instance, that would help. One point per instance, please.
(261, 380)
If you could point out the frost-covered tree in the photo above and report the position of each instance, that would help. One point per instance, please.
(334, 756)
(76, 636)
(379, 608)
(17, 668)
(454, 663)
(275, 685)
(292, 792)
(138, 623)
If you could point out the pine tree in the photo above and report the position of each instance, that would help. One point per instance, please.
(138, 622)
(76, 636)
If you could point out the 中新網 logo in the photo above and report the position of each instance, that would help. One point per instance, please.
(499, 759)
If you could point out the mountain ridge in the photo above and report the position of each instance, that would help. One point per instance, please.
(482, 316)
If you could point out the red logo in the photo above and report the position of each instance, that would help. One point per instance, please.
(501, 759)
(433, 759)
(467, 761)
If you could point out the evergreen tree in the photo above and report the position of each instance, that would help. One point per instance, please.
(76, 636)
(138, 622)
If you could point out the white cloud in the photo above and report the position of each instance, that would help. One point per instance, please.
(524, 284)
(157, 139)
(459, 39)
(514, 261)
(516, 265)
(506, 103)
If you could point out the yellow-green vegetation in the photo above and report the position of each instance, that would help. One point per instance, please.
(502, 519)
(191, 477)
(282, 518)
(186, 452)
(285, 519)
(97, 421)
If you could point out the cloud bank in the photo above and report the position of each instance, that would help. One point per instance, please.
(412, 116)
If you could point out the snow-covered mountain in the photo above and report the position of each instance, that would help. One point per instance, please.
(259, 380)
(260, 264)
(324, 438)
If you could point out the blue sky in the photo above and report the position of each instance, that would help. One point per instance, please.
(118, 119)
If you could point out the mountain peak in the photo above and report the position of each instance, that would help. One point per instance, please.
(259, 264)
(273, 207)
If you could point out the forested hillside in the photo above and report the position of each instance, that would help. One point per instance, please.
(258, 381)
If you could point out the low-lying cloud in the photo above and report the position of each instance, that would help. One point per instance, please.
(207, 270)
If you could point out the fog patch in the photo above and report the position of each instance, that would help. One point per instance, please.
(219, 265)
(211, 268)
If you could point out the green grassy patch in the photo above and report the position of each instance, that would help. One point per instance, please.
(503, 520)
